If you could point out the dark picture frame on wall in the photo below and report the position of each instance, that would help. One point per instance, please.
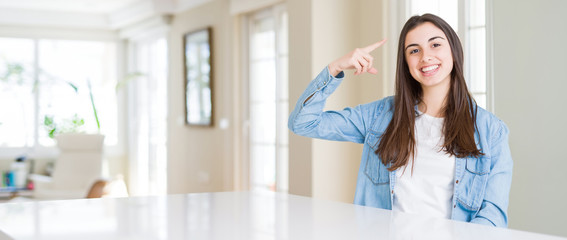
(198, 73)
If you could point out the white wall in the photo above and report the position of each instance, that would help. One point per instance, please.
(200, 158)
(530, 58)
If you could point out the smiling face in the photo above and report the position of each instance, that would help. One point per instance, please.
(428, 55)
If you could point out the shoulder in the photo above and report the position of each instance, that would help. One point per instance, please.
(378, 114)
(380, 106)
(388, 102)
(483, 116)
(490, 124)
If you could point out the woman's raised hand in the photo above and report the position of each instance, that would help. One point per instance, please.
(359, 59)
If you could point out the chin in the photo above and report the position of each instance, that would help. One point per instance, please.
(431, 83)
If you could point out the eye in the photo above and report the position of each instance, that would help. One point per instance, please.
(436, 45)
(414, 51)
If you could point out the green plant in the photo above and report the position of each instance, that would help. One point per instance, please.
(14, 72)
(93, 104)
(74, 124)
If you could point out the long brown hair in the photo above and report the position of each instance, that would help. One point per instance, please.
(398, 142)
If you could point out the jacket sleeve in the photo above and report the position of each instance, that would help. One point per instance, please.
(308, 118)
(493, 210)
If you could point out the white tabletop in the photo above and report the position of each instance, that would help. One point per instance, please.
(229, 215)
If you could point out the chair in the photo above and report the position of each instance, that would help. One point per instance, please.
(108, 188)
(77, 168)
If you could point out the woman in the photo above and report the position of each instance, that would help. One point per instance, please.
(429, 149)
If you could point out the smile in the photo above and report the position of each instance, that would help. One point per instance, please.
(429, 68)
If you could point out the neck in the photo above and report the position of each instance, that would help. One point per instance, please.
(434, 100)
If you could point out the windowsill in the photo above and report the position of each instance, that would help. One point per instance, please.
(12, 153)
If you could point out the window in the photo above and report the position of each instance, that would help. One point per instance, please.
(147, 129)
(477, 53)
(17, 101)
(268, 100)
(48, 77)
(467, 17)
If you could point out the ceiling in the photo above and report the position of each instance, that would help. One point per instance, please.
(87, 14)
(78, 6)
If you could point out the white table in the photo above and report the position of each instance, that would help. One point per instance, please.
(230, 215)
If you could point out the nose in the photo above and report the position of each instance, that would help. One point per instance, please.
(426, 57)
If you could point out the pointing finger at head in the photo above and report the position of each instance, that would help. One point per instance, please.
(373, 46)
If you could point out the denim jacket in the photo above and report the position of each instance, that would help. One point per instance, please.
(481, 186)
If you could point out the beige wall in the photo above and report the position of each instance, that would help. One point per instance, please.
(328, 30)
(529, 88)
(300, 71)
(336, 31)
(317, 168)
(200, 158)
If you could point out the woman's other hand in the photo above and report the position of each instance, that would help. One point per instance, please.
(359, 59)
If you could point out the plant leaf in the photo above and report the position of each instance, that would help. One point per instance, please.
(52, 133)
(48, 120)
(73, 86)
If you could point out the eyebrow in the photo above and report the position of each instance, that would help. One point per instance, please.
(431, 39)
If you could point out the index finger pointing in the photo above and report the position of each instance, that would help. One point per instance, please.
(373, 46)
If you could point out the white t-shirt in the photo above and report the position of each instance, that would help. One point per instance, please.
(429, 189)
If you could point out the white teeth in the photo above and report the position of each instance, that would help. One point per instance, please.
(427, 69)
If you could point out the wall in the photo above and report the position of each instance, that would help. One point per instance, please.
(200, 158)
(530, 82)
(334, 34)
(317, 168)
(321, 31)
(300, 72)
